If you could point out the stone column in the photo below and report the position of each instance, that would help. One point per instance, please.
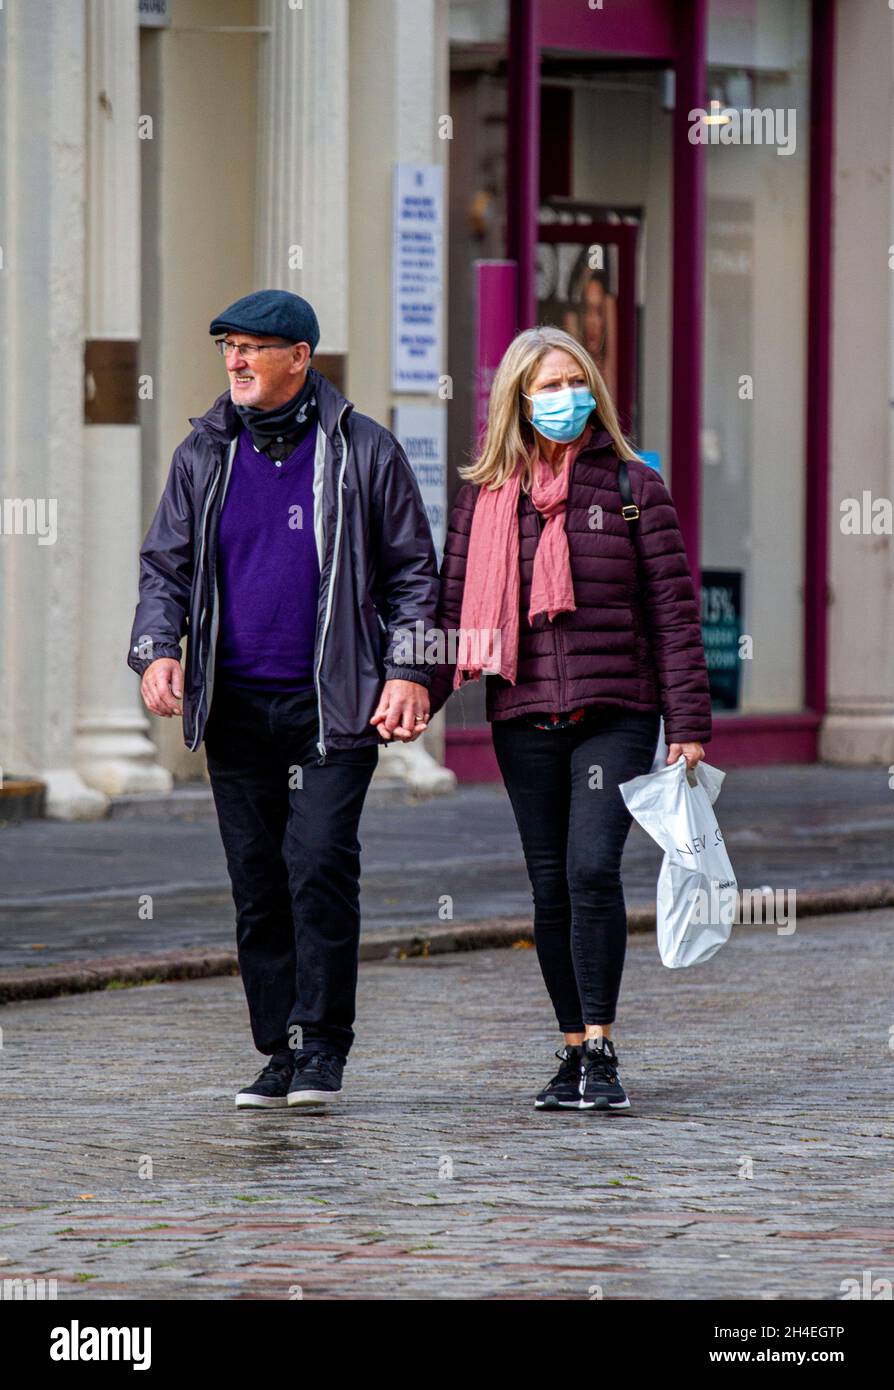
(396, 105)
(420, 85)
(859, 726)
(302, 192)
(306, 197)
(114, 753)
(42, 397)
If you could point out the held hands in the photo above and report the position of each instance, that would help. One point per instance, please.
(162, 687)
(403, 711)
(693, 751)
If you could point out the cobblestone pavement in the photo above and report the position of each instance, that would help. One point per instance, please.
(72, 891)
(437, 1178)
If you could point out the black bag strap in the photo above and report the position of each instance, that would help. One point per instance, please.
(629, 509)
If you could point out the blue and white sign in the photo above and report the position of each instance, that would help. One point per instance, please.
(422, 431)
(154, 14)
(416, 282)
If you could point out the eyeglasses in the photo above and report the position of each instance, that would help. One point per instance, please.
(247, 350)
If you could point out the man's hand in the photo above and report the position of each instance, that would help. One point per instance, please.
(402, 711)
(693, 751)
(162, 687)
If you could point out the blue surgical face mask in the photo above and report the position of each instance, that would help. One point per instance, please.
(561, 415)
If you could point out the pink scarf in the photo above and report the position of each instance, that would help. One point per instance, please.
(490, 607)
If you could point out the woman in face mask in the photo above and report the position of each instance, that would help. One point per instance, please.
(587, 635)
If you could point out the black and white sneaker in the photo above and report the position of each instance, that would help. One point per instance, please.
(601, 1087)
(317, 1078)
(269, 1091)
(564, 1091)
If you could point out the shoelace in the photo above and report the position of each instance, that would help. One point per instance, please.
(602, 1062)
(323, 1063)
(568, 1071)
(272, 1066)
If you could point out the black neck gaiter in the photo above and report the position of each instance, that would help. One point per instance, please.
(278, 431)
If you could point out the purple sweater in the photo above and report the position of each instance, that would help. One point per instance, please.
(268, 573)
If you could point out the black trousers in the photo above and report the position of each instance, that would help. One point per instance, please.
(289, 829)
(563, 785)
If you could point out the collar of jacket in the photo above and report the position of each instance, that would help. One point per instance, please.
(597, 443)
(222, 423)
(600, 439)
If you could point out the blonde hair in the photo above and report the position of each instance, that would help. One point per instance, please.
(509, 435)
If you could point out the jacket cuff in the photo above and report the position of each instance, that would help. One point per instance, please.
(670, 737)
(172, 651)
(420, 675)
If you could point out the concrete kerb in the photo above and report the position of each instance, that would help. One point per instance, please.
(113, 972)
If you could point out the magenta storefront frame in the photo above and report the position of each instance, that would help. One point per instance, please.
(688, 278)
(523, 151)
(634, 28)
(819, 355)
(675, 31)
(496, 286)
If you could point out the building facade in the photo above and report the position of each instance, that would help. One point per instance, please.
(723, 269)
(160, 160)
(731, 271)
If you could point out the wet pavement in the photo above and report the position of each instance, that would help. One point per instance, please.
(72, 891)
(757, 1160)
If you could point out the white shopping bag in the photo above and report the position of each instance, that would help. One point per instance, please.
(696, 899)
(660, 759)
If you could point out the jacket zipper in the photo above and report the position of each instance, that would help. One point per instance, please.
(321, 742)
(560, 657)
(209, 499)
(215, 597)
(208, 682)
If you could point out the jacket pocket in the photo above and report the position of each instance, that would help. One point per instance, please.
(382, 634)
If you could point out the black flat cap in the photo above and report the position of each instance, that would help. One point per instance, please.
(275, 313)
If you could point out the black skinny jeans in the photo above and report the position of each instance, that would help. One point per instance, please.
(293, 856)
(573, 836)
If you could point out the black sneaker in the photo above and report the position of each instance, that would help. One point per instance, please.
(316, 1079)
(601, 1088)
(564, 1091)
(269, 1091)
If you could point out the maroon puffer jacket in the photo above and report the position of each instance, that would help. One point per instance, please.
(634, 638)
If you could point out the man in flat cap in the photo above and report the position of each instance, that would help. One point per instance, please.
(291, 545)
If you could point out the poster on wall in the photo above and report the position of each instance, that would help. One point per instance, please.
(577, 289)
(721, 630)
(587, 285)
(422, 431)
(416, 281)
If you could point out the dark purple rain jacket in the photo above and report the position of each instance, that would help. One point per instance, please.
(634, 639)
(378, 569)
